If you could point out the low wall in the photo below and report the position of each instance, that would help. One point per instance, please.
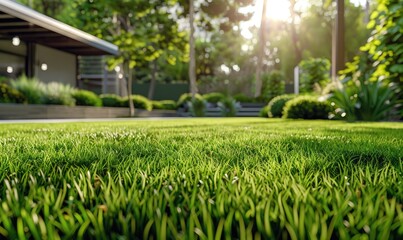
(155, 113)
(26, 111)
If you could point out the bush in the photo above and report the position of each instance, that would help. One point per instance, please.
(184, 98)
(32, 89)
(86, 98)
(139, 102)
(58, 94)
(307, 107)
(197, 106)
(264, 112)
(273, 84)
(4, 80)
(10, 95)
(229, 107)
(314, 75)
(111, 100)
(164, 104)
(214, 97)
(361, 95)
(384, 47)
(276, 105)
(371, 101)
(243, 98)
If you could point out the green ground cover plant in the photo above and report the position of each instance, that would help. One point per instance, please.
(247, 178)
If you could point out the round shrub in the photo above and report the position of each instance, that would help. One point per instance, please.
(111, 100)
(139, 102)
(264, 112)
(164, 104)
(229, 107)
(10, 95)
(184, 98)
(214, 97)
(306, 107)
(86, 98)
(276, 105)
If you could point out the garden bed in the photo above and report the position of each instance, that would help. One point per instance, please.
(30, 111)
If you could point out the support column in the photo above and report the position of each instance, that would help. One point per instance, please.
(30, 60)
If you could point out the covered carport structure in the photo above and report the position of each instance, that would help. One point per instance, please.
(39, 46)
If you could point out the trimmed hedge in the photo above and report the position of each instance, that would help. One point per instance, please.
(307, 107)
(276, 105)
(139, 102)
(214, 97)
(10, 95)
(111, 100)
(164, 104)
(86, 98)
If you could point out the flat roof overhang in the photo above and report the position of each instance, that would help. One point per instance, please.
(31, 26)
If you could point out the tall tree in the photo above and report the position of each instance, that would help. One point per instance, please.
(135, 26)
(338, 49)
(385, 46)
(293, 30)
(192, 51)
(52, 8)
(260, 54)
(314, 33)
(210, 16)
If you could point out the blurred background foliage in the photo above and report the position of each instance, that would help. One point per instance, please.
(153, 37)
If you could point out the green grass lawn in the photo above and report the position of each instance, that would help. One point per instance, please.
(202, 178)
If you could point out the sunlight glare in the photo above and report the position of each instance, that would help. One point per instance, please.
(277, 10)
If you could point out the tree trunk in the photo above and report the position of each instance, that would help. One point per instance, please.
(294, 35)
(192, 57)
(367, 12)
(338, 47)
(262, 46)
(153, 81)
(129, 73)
